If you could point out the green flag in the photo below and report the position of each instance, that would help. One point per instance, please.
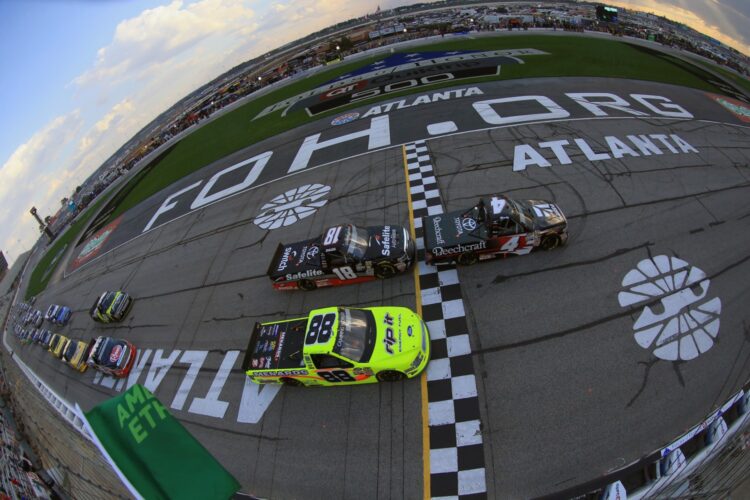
(154, 452)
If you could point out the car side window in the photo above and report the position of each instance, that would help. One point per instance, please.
(505, 226)
(326, 361)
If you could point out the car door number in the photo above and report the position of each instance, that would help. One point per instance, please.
(345, 273)
(335, 376)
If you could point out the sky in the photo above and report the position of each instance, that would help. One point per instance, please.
(81, 77)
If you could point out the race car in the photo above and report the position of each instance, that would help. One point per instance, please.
(74, 354)
(111, 306)
(344, 254)
(59, 345)
(483, 232)
(339, 346)
(58, 315)
(111, 356)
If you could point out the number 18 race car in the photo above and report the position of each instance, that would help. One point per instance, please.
(344, 254)
(482, 232)
(339, 346)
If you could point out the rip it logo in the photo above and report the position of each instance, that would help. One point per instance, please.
(679, 320)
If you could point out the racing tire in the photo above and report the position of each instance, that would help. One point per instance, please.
(291, 382)
(467, 259)
(550, 242)
(384, 270)
(307, 285)
(390, 376)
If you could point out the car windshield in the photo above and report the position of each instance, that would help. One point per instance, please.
(520, 215)
(354, 335)
(354, 241)
(106, 301)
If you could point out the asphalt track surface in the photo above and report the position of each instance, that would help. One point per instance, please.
(566, 392)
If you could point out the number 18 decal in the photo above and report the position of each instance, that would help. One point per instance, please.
(345, 273)
(332, 235)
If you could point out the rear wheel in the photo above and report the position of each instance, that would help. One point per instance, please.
(291, 382)
(384, 270)
(390, 376)
(307, 285)
(551, 241)
(468, 259)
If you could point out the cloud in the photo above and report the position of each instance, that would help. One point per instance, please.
(724, 20)
(27, 178)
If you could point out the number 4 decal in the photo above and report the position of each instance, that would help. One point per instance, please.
(510, 245)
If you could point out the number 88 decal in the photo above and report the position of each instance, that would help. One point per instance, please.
(320, 329)
(336, 376)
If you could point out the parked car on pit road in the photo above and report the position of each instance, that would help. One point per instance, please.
(339, 346)
(75, 354)
(111, 356)
(344, 254)
(111, 306)
(482, 232)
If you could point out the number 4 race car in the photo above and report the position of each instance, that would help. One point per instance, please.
(339, 346)
(505, 227)
(344, 254)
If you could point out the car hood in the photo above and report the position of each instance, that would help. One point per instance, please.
(405, 337)
(386, 241)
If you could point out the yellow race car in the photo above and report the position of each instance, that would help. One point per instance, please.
(57, 348)
(75, 354)
(339, 346)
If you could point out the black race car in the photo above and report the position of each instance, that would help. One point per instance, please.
(343, 254)
(503, 226)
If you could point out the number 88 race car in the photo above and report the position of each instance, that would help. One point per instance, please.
(505, 227)
(344, 254)
(339, 346)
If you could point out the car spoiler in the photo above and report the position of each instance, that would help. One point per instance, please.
(250, 346)
(271, 272)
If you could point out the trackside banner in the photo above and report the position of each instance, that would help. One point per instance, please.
(154, 452)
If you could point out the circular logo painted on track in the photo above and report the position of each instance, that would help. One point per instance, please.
(679, 320)
(292, 206)
(345, 118)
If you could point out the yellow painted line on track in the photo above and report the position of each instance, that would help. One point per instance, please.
(423, 376)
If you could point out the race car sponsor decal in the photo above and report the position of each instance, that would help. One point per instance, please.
(280, 373)
(344, 119)
(292, 206)
(310, 273)
(114, 356)
(680, 320)
(738, 108)
(438, 230)
(468, 224)
(460, 248)
(94, 244)
(385, 240)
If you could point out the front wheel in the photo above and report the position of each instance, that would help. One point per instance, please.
(468, 259)
(550, 242)
(390, 376)
(384, 270)
(307, 285)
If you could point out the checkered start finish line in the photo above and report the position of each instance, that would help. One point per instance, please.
(456, 451)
